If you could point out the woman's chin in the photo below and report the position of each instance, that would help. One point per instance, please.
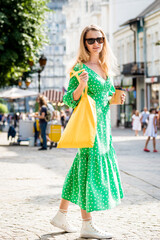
(96, 51)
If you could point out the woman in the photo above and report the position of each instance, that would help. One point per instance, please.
(63, 119)
(93, 182)
(151, 130)
(136, 122)
(43, 123)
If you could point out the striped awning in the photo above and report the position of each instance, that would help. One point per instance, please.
(53, 95)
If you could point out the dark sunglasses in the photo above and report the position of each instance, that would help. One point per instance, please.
(91, 41)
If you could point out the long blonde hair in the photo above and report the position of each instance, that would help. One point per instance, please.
(107, 59)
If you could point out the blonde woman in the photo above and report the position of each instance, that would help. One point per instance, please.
(136, 122)
(93, 182)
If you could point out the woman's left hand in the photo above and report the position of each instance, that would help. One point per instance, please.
(123, 98)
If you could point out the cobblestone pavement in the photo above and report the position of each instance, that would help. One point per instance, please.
(31, 184)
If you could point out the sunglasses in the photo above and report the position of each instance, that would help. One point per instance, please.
(91, 41)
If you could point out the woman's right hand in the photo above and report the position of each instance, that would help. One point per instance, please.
(83, 79)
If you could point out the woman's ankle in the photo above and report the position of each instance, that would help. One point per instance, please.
(86, 219)
(63, 210)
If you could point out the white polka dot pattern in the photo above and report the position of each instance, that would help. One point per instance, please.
(93, 181)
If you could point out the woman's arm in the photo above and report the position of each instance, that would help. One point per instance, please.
(42, 116)
(83, 82)
(75, 89)
(154, 124)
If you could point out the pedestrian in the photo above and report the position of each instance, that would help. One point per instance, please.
(56, 118)
(93, 181)
(136, 122)
(48, 130)
(36, 131)
(43, 123)
(151, 130)
(68, 115)
(144, 119)
(63, 118)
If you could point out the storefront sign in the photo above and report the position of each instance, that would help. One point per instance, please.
(151, 80)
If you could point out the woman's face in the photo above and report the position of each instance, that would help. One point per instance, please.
(96, 47)
(154, 111)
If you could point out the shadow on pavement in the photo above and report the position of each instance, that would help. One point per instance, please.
(50, 235)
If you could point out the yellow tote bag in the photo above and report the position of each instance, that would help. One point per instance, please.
(80, 131)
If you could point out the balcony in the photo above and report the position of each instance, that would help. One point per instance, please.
(133, 69)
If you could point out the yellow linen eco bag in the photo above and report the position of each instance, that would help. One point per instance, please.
(80, 131)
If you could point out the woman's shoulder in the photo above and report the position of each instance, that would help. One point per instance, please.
(78, 66)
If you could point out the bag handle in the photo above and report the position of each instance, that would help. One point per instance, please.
(75, 73)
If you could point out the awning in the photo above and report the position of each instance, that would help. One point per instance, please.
(53, 95)
(14, 93)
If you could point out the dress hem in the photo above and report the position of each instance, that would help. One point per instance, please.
(100, 209)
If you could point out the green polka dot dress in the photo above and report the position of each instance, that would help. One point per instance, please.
(93, 181)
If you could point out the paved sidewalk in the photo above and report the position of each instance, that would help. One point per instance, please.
(31, 184)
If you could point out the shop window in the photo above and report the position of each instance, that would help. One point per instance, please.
(155, 95)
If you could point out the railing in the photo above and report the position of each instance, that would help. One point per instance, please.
(133, 68)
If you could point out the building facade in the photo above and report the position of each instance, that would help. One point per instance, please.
(139, 59)
(108, 14)
(53, 76)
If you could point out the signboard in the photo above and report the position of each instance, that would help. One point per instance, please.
(151, 80)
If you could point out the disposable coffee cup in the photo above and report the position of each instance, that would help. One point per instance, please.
(116, 99)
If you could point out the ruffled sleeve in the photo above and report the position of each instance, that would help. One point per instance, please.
(73, 84)
(68, 97)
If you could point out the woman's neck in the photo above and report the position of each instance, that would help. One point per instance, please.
(94, 59)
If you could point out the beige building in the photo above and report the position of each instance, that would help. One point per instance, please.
(139, 59)
(108, 14)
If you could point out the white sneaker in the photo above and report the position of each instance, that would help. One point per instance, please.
(90, 231)
(60, 221)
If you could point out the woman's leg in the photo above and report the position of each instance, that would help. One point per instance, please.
(47, 137)
(60, 219)
(64, 204)
(85, 216)
(154, 143)
(147, 142)
(89, 230)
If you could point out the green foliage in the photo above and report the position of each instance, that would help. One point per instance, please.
(22, 36)
(3, 108)
(2, 101)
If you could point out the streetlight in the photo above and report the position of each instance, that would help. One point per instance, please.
(42, 63)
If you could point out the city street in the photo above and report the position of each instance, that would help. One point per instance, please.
(31, 182)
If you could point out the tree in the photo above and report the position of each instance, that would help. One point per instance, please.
(3, 108)
(22, 36)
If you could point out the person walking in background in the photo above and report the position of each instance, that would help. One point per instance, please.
(56, 118)
(144, 119)
(151, 130)
(63, 118)
(68, 115)
(43, 123)
(93, 182)
(36, 131)
(136, 122)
